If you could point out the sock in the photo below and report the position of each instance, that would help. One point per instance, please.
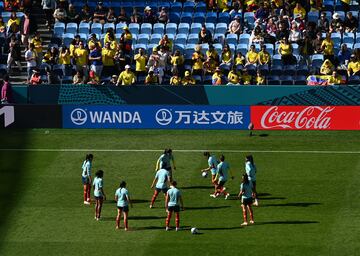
(88, 192)
(245, 216)
(154, 197)
(177, 220)
(85, 193)
(168, 219)
(126, 223)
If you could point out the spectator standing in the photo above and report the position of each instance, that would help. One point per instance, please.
(140, 66)
(13, 24)
(344, 55)
(108, 55)
(60, 14)
(14, 53)
(81, 58)
(327, 47)
(37, 42)
(205, 36)
(286, 50)
(163, 16)
(126, 40)
(111, 16)
(149, 15)
(30, 57)
(6, 91)
(65, 61)
(28, 27)
(100, 13)
(95, 59)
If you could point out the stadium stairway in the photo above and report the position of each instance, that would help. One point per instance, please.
(17, 77)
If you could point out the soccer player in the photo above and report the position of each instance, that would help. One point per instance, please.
(173, 202)
(166, 159)
(250, 169)
(222, 174)
(122, 199)
(161, 178)
(212, 162)
(86, 177)
(99, 193)
(246, 191)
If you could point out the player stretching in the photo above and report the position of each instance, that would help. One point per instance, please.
(173, 202)
(99, 193)
(161, 179)
(166, 160)
(250, 169)
(212, 162)
(123, 200)
(223, 169)
(86, 177)
(246, 190)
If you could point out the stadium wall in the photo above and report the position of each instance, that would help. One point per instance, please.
(196, 95)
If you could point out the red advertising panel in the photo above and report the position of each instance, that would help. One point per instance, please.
(306, 117)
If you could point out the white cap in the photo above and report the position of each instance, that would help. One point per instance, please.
(127, 66)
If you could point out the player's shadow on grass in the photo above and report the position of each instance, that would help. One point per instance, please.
(290, 204)
(160, 228)
(139, 201)
(198, 187)
(286, 222)
(206, 207)
(221, 228)
(135, 218)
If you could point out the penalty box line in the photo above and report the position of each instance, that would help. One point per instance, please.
(178, 150)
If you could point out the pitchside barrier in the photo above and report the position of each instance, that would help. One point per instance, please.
(188, 95)
(181, 117)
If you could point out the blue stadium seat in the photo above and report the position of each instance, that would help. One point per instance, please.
(348, 38)
(180, 47)
(317, 60)
(59, 29)
(302, 70)
(232, 39)
(243, 48)
(313, 16)
(146, 28)
(96, 28)
(193, 39)
(159, 28)
(120, 28)
(155, 38)
(195, 28)
(354, 80)
(356, 46)
(276, 59)
(295, 47)
(6, 16)
(171, 37)
(109, 25)
(143, 39)
(83, 37)
(223, 17)
(218, 47)
(200, 7)
(210, 27)
(181, 39)
(71, 28)
(84, 28)
(219, 38)
(67, 38)
(270, 48)
(244, 39)
(183, 28)
(136, 47)
(299, 80)
(176, 7)
(171, 28)
(189, 50)
(290, 70)
(199, 17)
(286, 80)
(273, 80)
(174, 17)
(211, 17)
(249, 20)
(221, 28)
(134, 28)
(188, 7)
(276, 70)
(186, 17)
(336, 38)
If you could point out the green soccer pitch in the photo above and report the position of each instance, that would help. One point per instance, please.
(308, 185)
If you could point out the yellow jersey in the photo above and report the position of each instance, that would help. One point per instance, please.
(108, 57)
(252, 56)
(233, 77)
(64, 59)
(226, 56)
(38, 44)
(260, 80)
(328, 46)
(140, 62)
(175, 80)
(188, 81)
(263, 57)
(81, 56)
(354, 66)
(285, 49)
(126, 78)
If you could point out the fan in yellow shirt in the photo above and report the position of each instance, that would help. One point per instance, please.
(126, 77)
(264, 56)
(140, 63)
(299, 10)
(212, 53)
(108, 55)
(217, 78)
(177, 61)
(226, 55)
(334, 79)
(175, 79)
(327, 68)
(251, 56)
(246, 78)
(151, 78)
(260, 78)
(198, 61)
(353, 67)
(188, 79)
(240, 59)
(234, 77)
(327, 46)
(81, 56)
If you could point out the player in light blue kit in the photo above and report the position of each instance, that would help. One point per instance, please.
(173, 202)
(86, 177)
(246, 191)
(122, 199)
(161, 179)
(165, 161)
(250, 169)
(222, 174)
(99, 193)
(212, 166)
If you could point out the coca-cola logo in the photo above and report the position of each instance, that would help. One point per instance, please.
(312, 117)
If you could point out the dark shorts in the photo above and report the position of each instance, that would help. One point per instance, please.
(123, 208)
(99, 197)
(247, 201)
(164, 190)
(221, 183)
(175, 208)
(85, 181)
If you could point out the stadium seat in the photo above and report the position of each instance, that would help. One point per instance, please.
(219, 38)
(186, 17)
(183, 28)
(317, 60)
(150, 48)
(176, 7)
(146, 28)
(159, 28)
(289, 70)
(211, 27)
(199, 17)
(120, 28)
(354, 80)
(302, 70)
(286, 80)
(181, 39)
(84, 28)
(83, 37)
(276, 59)
(211, 17)
(336, 38)
(143, 39)
(188, 7)
(243, 48)
(67, 38)
(232, 39)
(218, 47)
(295, 47)
(270, 48)
(136, 47)
(171, 28)
(155, 38)
(244, 39)
(221, 28)
(348, 38)
(264, 69)
(193, 39)
(96, 28)
(357, 46)
(273, 80)
(313, 16)
(299, 80)
(174, 17)
(171, 36)
(59, 29)
(189, 50)
(249, 20)
(276, 70)
(109, 25)
(134, 28)
(180, 47)
(195, 28)
(223, 17)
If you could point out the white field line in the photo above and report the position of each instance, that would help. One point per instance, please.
(178, 150)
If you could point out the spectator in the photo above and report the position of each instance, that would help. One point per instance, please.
(336, 24)
(198, 61)
(30, 57)
(35, 78)
(85, 14)
(323, 23)
(52, 78)
(205, 36)
(353, 68)
(123, 16)
(317, 43)
(93, 42)
(126, 77)
(108, 55)
(263, 57)
(177, 62)
(12, 5)
(60, 14)
(113, 80)
(6, 92)
(110, 38)
(2, 30)
(213, 54)
(260, 78)
(158, 71)
(65, 61)
(136, 17)
(28, 26)
(210, 65)
(235, 26)
(236, 10)
(246, 78)
(226, 57)
(327, 47)
(126, 40)
(149, 16)
(234, 77)
(327, 68)
(79, 77)
(351, 23)
(95, 60)
(188, 79)
(37, 42)
(334, 79)
(13, 24)
(99, 15)
(218, 78)
(307, 49)
(286, 52)
(261, 13)
(166, 43)
(153, 57)
(344, 55)
(251, 56)
(175, 79)
(295, 35)
(271, 27)
(164, 58)
(81, 58)
(151, 78)
(140, 66)
(75, 43)
(50, 57)
(256, 36)
(282, 32)
(93, 78)
(299, 10)
(163, 16)
(72, 14)
(120, 59)
(14, 53)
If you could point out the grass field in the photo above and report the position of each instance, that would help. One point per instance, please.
(308, 184)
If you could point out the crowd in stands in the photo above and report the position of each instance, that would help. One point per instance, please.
(191, 42)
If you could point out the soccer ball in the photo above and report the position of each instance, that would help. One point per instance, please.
(204, 174)
(194, 231)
